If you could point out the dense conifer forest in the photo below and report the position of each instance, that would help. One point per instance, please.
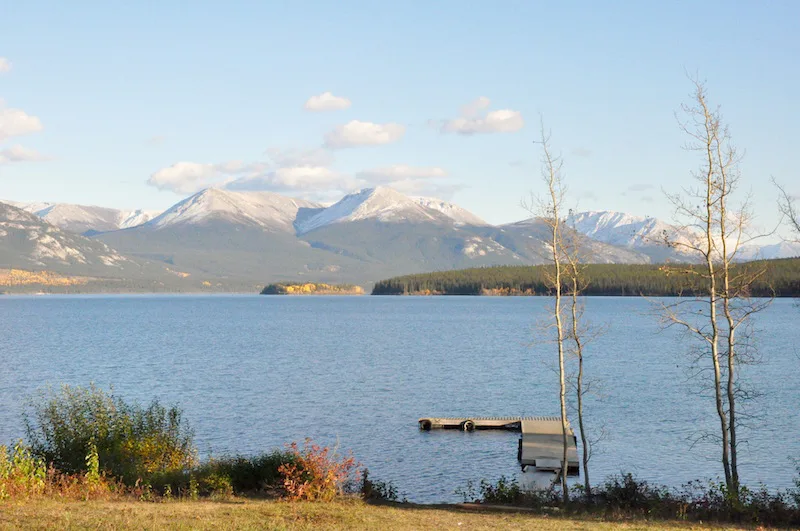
(780, 278)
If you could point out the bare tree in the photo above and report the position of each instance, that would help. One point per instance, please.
(549, 209)
(721, 230)
(576, 283)
(789, 210)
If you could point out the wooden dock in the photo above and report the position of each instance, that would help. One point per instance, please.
(541, 446)
(478, 423)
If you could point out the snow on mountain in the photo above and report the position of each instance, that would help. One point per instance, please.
(27, 240)
(454, 212)
(134, 218)
(263, 209)
(634, 232)
(381, 203)
(771, 251)
(81, 219)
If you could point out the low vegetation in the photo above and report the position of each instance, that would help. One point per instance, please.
(312, 288)
(780, 278)
(625, 497)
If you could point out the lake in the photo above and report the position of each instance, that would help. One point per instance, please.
(255, 372)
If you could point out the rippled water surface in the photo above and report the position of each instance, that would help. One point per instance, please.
(255, 372)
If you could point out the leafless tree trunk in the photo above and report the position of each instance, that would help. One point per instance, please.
(725, 283)
(550, 210)
(574, 275)
(789, 210)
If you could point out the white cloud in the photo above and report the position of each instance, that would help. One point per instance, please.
(502, 121)
(356, 133)
(18, 153)
(184, 177)
(475, 118)
(300, 157)
(473, 108)
(304, 180)
(412, 180)
(16, 122)
(191, 177)
(400, 172)
(326, 102)
(5, 65)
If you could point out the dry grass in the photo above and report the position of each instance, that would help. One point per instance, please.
(259, 514)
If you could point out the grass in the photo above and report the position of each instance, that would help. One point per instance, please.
(239, 513)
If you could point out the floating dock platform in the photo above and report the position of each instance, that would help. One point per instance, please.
(479, 423)
(541, 446)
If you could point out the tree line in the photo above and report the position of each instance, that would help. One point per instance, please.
(780, 278)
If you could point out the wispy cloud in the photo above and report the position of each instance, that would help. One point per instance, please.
(300, 157)
(326, 102)
(581, 152)
(640, 187)
(5, 65)
(18, 153)
(156, 140)
(475, 119)
(356, 133)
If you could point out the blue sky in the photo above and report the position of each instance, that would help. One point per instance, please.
(135, 105)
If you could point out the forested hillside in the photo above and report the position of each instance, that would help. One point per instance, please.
(778, 277)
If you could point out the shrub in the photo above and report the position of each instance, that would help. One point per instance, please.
(238, 475)
(373, 490)
(508, 492)
(316, 473)
(131, 442)
(625, 496)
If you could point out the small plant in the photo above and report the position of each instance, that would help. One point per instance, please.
(92, 464)
(316, 473)
(193, 492)
(21, 474)
(378, 490)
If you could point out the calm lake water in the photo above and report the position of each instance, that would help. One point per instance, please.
(254, 373)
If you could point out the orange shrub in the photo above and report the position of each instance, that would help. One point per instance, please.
(316, 473)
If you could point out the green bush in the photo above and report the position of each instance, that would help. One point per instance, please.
(228, 475)
(131, 442)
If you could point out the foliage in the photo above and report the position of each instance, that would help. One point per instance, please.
(130, 442)
(507, 491)
(625, 496)
(316, 473)
(23, 476)
(375, 490)
(237, 475)
(782, 276)
(311, 288)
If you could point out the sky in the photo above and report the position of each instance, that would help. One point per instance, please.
(139, 104)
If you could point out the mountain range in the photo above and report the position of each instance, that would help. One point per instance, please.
(227, 238)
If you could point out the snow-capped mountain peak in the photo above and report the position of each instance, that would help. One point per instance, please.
(263, 209)
(626, 230)
(82, 219)
(382, 204)
(454, 212)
